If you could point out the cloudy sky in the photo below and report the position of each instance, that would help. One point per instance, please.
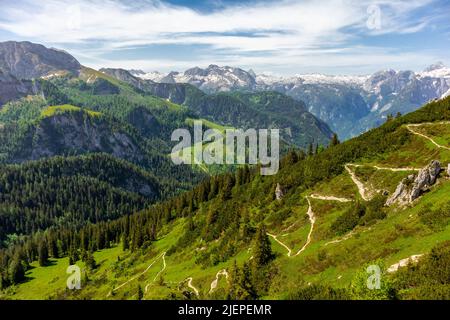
(279, 36)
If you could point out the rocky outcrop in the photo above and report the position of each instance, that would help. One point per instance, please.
(279, 193)
(26, 60)
(74, 133)
(12, 89)
(448, 169)
(413, 186)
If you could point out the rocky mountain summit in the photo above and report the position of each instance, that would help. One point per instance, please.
(26, 60)
(414, 186)
(349, 104)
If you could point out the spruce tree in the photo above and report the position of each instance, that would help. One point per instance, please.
(262, 250)
(16, 271)
(140, 293)
(334, 140)
(43, 253)
(125, 242)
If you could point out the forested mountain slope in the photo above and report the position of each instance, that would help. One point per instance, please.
(258, 110)
(308, 232)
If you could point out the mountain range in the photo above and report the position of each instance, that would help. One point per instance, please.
(349, 104)
(86, 180)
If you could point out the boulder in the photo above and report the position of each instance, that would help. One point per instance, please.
(413, 186)
(448, 169)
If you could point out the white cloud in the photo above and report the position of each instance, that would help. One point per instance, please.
(258, 33)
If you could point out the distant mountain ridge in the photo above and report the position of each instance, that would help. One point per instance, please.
(349, 104)
(268, 109)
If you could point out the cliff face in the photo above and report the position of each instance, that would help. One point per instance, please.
(73, 133)
(12, 88)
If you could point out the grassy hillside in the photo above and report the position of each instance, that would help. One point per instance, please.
(328, 226)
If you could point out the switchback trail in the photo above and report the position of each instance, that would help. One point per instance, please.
(312, 220)
(361, 189)
(164, 267)
(411, 126)
(385, 168)
(216, 281)
(142, 273)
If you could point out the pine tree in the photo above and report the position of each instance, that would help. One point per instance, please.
(90, 261)
(125, 242)
(240, 286)
(334, 140)
(140, 293)
(52, 246)
(16, 271)
(43, 253)
(262, 250)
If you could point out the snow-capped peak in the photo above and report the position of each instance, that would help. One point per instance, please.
(437, 70)
(270, 79)
(154, 75)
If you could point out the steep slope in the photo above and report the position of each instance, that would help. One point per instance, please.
(253, 110)
(31, 131)
(209, 236)
(65, 130)
(72, 191)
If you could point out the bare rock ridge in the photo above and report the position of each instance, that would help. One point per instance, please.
(26, 60)
(414, 186)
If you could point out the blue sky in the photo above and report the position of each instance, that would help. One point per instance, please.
(283, 37)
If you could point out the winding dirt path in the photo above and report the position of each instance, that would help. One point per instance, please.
(190, 285)
(312, 220)
(385, 168)
(361, 188)
(214, 283)
(142, 273)
(281, 243)
(397, 169)
(411, 126)
(365, 193)
(164, 266)
(330, 198)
